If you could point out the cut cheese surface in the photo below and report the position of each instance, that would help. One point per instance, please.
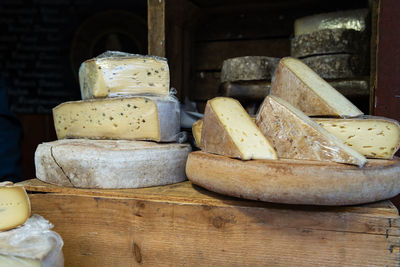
(7, 261)
(117, 73)
(132, 118)
(15, 206)
(296, 136)
(196, 131)
(228, 130)
(374, 137)
(299, 85)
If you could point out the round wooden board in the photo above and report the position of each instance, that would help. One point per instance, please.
(295, 181)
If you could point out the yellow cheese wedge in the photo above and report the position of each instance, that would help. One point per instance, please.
(374, 137)
(131, 118)
(228, 130)
(296, 136)
(15, 207)
(299, 85)
(197, 127)
(117, 73)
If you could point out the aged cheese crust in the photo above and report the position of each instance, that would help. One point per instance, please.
(246, 90)
(110, 163)
(299, 85)
(296, 136)
(295, 181)
(248, 68)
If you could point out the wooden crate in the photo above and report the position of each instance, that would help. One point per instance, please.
(185, 225)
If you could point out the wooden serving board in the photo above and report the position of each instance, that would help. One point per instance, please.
(295, 181)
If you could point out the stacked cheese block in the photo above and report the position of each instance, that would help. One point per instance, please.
(248, 79)
(25, 240)
(124, 132)
(336, 46)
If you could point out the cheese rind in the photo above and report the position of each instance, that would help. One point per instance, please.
(248, 90)
(15, 207)
(299, 85)
(86, 163)
(116, 73)
(373, 137)
(296, 136)
(228, 130)
(131, 118)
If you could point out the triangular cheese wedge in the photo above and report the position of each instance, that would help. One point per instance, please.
(296, 136)
(196, 131)
(15, 207)
(299, 85)
(228, 130)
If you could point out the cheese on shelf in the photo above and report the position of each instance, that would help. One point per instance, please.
(374, 137)
(116, 73)
(229, 131)
(84, 163)
(246, 90)
(299, 85)
(296, 136)
(196, 131)
(132, 118)
(15, 207)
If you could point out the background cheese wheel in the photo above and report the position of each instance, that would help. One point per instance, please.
(86, 163)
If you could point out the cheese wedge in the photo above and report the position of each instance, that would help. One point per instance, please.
(197, 127)
(116, 73)
(133, 118)
(296, 83)
(296, 136)
(374, 137)
(15, 207)
(229, 131)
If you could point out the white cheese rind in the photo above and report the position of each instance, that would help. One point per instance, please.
(110, 163)
(373, 137)
(15, 207)
(131, 118)
(114, 73)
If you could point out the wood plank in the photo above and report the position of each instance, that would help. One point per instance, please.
(156, 27)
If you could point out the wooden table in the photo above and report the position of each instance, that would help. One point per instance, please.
(185, 225)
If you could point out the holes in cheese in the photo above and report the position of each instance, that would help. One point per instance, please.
(299, 85)
(15, 206)
(228, 130)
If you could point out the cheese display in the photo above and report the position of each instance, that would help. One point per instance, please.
(355, 19)
(197, 127)
(296, 83)
(132, 118)
(31, 245)
(116, 73)
(248, 68)
(337, 66)
(110, 163)
(251, 90)
(374, 137)
(15, 207)
(296, 136)
(228, 130)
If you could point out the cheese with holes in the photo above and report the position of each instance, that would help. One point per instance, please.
(31, 245)
(228, 130)
(374, 137)
(296, 136)
(116, 73)
(196, 131)
(87, 163)
(15, 207)
(299, 85)
(132, 118)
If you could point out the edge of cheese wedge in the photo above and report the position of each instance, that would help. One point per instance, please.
(15, 206)
(296, 136)
(299, 85)
(196, 131)
(130, 118)
(116, 73)
(228, 130)
(371, 136)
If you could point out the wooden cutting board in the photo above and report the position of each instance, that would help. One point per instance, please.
(295, 181)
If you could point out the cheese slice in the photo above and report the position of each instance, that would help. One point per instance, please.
(296, 136)
(116, 73)
(84, 163)
(132, 118)
(15, 207)
(299, 85)
(374, 137)
(197, 127)
(229, 131)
